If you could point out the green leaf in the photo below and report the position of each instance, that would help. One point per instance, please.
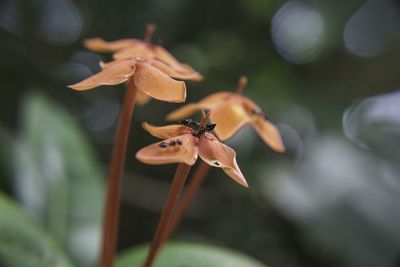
(176, 254)
(22, 243)
(58, 180)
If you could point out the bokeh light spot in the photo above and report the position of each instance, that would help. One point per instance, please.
(298, 32)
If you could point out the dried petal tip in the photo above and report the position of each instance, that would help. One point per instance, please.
(221, 156)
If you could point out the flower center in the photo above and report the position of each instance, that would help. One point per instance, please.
(197, 127)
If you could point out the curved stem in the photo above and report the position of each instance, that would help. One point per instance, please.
(187, 198)
(175, 190)
(114, 179)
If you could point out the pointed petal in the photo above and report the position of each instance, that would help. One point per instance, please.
(269, 133)
(168, 131)
(171, 72)
(230, 117)
(267, 130)
(101, 46)
(158, 85)
(115, 74)
(142, 98)
(214, 100)
(140, 51)
(184, 150)
(183, 112)
(219, 155)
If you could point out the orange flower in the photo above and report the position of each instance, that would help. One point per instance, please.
(183, 144)
(135, 48)
(231, 111)
(148, 76)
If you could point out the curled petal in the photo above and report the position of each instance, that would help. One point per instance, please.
(101, 46)
(114, 74)
(183, 112)
(219, 155)
(168, 131)
(269, 133)
(171, 72)
(179, 149)
(158, 85)
(230, 117)
(142, 98)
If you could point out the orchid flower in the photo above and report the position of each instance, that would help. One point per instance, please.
(231, 111)
(144, 49)
(183, 144)
(149, 76)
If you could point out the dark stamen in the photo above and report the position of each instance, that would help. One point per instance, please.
(162, 144)
(179, 142)
(172, 143)
(210, 126)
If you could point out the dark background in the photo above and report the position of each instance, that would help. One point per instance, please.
(326, 72)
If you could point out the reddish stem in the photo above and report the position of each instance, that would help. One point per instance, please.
(175, 190)
(241, 85)
(150, 29)
(114, 179)
(187, 198)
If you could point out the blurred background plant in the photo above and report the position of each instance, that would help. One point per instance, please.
(325, 71)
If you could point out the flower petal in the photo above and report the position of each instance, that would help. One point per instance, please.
(114, 74)
(214, 100)
(142, 98)
(230, 117)
(163, 55)
(141, 51)
(219, 155)
(171, 72)
(101, 46)
(168, 131)
(183, 112)
(177, 149)
(269, 133)
(158, 85)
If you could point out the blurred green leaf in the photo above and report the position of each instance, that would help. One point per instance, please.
(24, 244)
(188, 254)
(58, 180)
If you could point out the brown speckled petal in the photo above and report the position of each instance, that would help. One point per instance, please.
(179, 149)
